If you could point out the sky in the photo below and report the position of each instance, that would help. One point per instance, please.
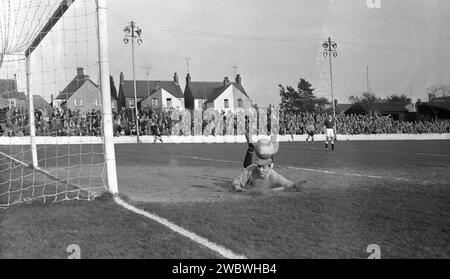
(404, 43)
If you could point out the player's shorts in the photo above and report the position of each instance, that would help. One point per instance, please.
(311, 134)
(330, 133)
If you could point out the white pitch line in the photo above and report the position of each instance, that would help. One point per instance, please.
(192, 236)
(14, 159)
(334, 172)
(369, 151)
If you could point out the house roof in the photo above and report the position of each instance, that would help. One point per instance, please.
(7, 85)
(14, 95)
(211, 90)
(40, 102)
(410, 108)
(390, 107)
(444, 105)
(143, 86)
(340, 108)
(79, 80)
(204, 89)
(378, 107)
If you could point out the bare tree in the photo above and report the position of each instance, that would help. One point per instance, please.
(438, 90)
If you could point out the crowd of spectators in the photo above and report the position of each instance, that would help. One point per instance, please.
(148, 120)
(54, 122)
(295, 124)
(62, 122)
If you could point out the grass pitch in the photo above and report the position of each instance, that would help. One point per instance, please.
(395, 194)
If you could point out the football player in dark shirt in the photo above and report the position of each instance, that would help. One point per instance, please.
(310, 129)
(156, 131)
(330, 133)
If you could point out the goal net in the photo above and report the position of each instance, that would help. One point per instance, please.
(52, 113)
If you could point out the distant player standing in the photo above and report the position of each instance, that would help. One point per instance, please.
(156, 132)
(310, 130)
(330, 133)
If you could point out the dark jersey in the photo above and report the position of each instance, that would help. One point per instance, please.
(310, 128)
(329, 124)
(155, 129)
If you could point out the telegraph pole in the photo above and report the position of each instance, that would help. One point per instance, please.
(147, 72)
(134, 33)
(368, 88)
(188, 59)
(235, 68)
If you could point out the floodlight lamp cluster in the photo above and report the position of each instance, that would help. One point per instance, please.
(132, 32)
(329, 48)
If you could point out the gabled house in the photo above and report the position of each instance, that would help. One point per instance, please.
(341, 108)
(225, 95)
(151, 93)
(434, 109)
(81, 94)
(40, 103)
(9, 96)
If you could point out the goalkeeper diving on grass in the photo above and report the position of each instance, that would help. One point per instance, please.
(260, 175)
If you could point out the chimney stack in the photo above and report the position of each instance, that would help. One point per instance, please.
(175, 78)
(408, 101)
(157, 85)
(226, 81)
(188, 78)
(238, 79)
(122, 77)
(80, 72)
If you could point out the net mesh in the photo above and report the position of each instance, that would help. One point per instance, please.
(59, 41)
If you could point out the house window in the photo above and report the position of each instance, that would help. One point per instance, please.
(169, 102)
(226, 103)
(97, 102)
(239, 103)
(131, 103)
(154, 102)
(78, 102)
(12, 102)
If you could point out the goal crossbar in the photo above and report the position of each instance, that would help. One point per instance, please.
(59, 12)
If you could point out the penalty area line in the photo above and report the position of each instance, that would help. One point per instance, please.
(192, 236)
(227, 253)
(14, 159)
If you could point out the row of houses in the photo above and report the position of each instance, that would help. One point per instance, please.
(81, 93)
(224, 95)
(11, 97)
